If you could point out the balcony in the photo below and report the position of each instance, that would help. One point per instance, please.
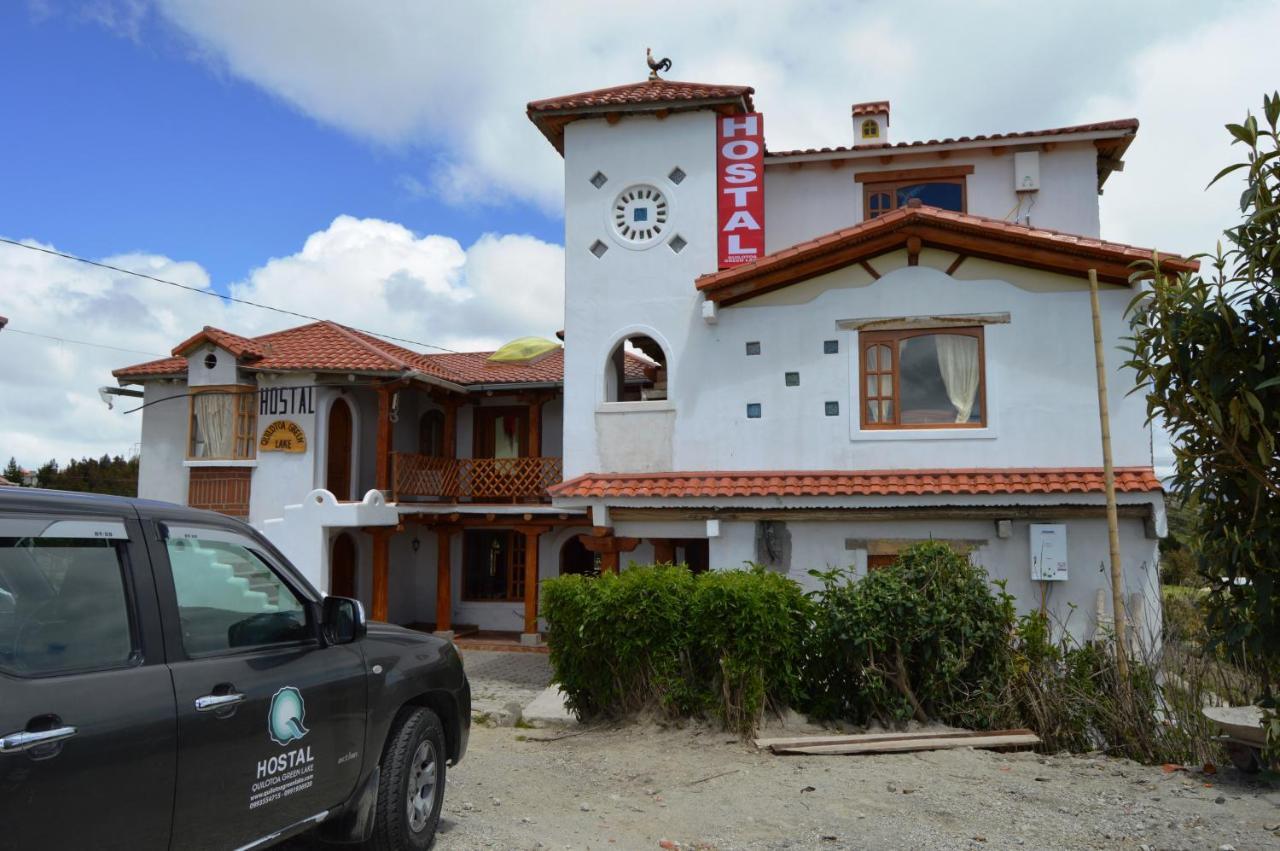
(473, 479)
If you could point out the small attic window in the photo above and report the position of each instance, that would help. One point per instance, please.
(677, 175)
(677, 243)
(598, 248)
(210, 360)
(599, 179)
(870, 129)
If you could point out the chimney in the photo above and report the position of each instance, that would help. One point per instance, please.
(871, 123)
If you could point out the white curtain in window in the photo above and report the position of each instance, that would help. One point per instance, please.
(958, 363)
(215, 415)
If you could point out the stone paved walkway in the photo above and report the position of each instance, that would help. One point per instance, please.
(502, 683)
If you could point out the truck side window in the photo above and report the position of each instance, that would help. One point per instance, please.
(62, 606)
(229, 597)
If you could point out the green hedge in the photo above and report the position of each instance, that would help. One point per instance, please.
(928, 638)
(723, 643)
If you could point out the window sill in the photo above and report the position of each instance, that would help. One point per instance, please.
(887, 434)
(628, 407)
(220, 462)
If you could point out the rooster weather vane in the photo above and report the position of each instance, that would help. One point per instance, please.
(656, 65)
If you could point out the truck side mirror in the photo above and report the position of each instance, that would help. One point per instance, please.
(342, 620)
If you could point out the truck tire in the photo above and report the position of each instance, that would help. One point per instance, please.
(411, 782)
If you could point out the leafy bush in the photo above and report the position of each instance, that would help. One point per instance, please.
(927, 639)
(724, 643)
(1074, 698)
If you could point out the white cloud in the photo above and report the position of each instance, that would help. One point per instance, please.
(364, 272)
(453, 80)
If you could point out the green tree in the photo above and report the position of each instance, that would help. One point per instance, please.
(1206, 350)
(12, 471)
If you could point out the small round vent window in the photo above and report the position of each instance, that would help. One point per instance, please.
(640, 216)
(210, 360)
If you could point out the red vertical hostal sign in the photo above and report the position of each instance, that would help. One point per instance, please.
(740, 184)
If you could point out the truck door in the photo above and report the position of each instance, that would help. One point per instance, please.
(87, 721)
(271, 722)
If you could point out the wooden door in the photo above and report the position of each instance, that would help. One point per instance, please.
(342, 567)
(502, 432)
(338, 457)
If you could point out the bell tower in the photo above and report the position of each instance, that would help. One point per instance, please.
(640, 227)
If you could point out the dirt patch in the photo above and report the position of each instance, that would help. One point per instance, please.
(634, 786)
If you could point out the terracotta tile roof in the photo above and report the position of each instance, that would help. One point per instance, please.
(808, 483)
(550, 115)
(873, 107)
(964, 233)
(1110, 149)
(241, 347)
(328, 346)
(1125, 125)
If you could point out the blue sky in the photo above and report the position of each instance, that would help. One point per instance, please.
(371, 162)
(121, 144)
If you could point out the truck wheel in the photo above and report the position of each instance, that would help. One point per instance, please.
(411, 785)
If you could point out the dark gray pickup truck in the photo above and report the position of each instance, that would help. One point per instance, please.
(169, 680)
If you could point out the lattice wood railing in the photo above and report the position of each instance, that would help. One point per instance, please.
(474, 478)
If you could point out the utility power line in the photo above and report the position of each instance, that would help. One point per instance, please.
(82, 343)
(228, 298)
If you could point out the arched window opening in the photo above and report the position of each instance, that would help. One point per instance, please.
(577, 559)
(870, 129)
(431, 434)
(637, 371)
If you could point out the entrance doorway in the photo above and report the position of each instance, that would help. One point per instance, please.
(338, 454)
(342, 567)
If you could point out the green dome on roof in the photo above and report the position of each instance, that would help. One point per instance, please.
(524, 350)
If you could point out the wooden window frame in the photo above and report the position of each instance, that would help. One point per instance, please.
(867, 339)
(891, 181)
(245, 421)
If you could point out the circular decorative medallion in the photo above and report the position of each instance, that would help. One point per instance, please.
(640, 215)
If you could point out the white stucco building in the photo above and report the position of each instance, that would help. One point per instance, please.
(803, 359)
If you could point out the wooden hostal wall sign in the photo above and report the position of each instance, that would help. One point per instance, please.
(283, 436)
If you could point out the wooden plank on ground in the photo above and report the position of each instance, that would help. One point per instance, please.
(906, 745)
(854, 738)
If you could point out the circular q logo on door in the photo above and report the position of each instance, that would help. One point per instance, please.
(286, 716)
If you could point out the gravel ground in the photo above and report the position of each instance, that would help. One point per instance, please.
(635, 786)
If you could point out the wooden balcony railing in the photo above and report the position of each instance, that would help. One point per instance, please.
(475, 479)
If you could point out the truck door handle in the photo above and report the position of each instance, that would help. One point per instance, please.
(15, 742)
(210, 702)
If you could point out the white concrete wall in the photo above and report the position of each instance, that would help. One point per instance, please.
(815, 199)
(165, 421)
(284, 478)
(1040, 374)
(627, 291)
(224, 371)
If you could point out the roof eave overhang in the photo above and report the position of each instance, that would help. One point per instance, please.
(551, 122)
(1047, 255)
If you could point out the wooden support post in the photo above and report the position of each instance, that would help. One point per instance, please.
(450, 443)
(381, 572)
(1109, 482)
(444, 580)
(664, 551)
(535, 426)
(382, 461)
(531, 535)
(603, 542)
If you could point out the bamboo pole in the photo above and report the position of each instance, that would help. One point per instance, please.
(1109, 480)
